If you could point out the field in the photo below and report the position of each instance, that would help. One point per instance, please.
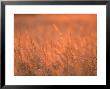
(55, 45)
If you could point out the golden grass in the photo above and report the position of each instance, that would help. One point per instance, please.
(55, 45)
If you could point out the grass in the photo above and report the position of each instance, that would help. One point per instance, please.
(52, 49)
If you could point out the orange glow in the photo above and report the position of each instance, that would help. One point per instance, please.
(55, 45)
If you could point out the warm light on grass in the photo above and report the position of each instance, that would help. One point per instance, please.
(55, 45)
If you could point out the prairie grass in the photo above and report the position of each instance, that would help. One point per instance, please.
(55, 45)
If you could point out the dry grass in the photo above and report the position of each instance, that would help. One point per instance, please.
(55, 45)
